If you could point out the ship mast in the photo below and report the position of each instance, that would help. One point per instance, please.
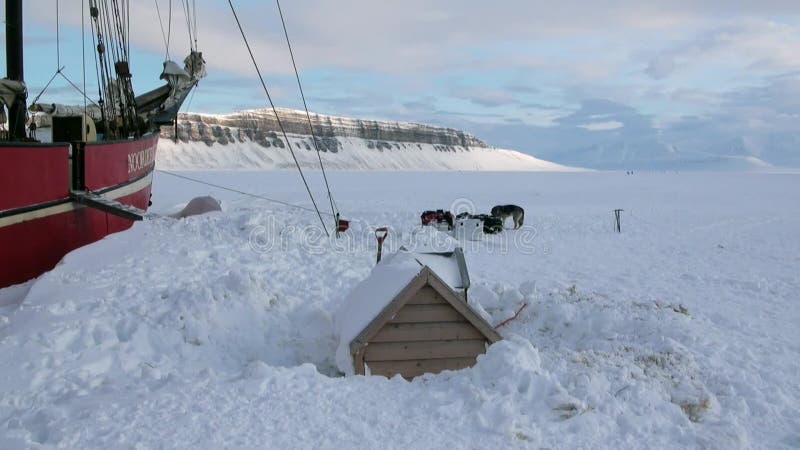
(14, 67)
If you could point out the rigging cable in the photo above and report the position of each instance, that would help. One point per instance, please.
(116, 39)
(121, 11)
(169, 28)
(83, 60)
(229, 189)
(187, 15)
(36, 99)
(308, 116)
(277, 118)
(92, 9)
(60, 68)
(85, 97)
(247, 194)
(128, 22)
(105, 37)
(58, 40)
(165, 35)
(194, 18)
(191, 98)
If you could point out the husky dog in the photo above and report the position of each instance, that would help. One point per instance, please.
(513, 211)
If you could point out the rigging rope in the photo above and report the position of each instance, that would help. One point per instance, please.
(277, 118)
(36, 99)
(165, 35)
(188, 16)
(99, 85)
(60, 72)
(169, 28)
(191, 98)
(103, 36)
(59, 68)
(128, 25)
(113, 21)
(83, 60)
(229, 189)
(194, 18)
(58, 40)
(308, 116)
(85, 97)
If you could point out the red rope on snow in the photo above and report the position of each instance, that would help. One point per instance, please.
(516, 314)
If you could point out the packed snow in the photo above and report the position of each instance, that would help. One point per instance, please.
(217, 331)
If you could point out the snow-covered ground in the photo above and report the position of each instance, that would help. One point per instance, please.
(355, 154)
(216, 331)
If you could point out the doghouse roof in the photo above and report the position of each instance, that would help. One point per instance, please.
(377, 298)
(449, 266)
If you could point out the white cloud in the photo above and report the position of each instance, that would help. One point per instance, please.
(753, 44)
(583, 41)
(603, 126)
(522, 62)
(486, 97)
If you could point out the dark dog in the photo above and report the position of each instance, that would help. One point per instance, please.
(513, 211)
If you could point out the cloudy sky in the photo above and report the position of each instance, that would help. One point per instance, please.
(518, 73)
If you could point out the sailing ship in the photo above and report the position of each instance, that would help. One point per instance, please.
(94, 176)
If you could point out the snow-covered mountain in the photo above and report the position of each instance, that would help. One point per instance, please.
(655, 155)
(603, 134)
(251, 140)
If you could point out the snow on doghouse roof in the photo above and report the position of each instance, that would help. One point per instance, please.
(438, 251)
(376, 292)
(369, 298)
(445, 265)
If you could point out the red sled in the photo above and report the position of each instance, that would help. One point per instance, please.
(440, 218)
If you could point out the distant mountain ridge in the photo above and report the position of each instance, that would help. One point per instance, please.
(261, 126)
(655, 156)
(251, 139)
(608, 135)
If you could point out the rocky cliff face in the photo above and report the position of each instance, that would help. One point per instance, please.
(251, 140)
(261, 127)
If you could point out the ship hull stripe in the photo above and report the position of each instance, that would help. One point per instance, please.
(61, 206)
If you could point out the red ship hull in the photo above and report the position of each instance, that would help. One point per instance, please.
(39, 223)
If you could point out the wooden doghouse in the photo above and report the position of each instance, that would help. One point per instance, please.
(407, 319)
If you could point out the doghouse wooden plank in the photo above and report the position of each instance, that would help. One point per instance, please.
(405, 351)
(359, 362)
(430, 331)
(462, 307)
(427, 313)
(413, 368)
(426, 296)
(389, 311)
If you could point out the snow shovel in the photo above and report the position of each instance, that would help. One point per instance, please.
(380, 235)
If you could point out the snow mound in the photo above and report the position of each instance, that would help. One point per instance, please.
(218, 330)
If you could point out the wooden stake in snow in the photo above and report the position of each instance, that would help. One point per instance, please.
(616, 216)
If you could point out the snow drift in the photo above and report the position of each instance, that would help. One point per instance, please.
(217, 331)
